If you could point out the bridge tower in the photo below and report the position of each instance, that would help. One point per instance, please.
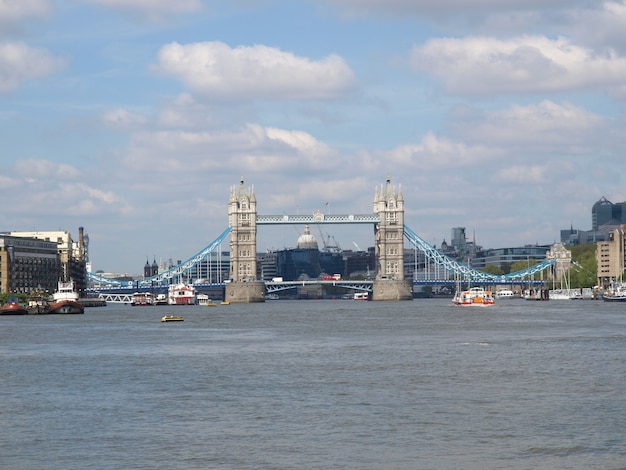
(243, 286)
(389, 246)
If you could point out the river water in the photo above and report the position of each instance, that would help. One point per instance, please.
(317, 385)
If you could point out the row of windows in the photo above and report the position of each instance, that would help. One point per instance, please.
(392, 267)
(245, 269)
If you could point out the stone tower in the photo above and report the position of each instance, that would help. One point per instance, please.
(389, 246)
(389, 233)
(242, 220)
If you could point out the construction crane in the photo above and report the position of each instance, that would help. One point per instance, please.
(326, 242)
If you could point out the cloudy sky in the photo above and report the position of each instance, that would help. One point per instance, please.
(135, 118)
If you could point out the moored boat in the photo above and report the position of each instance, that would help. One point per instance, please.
(361, 296)
(142, 299)
(65, 300)
(505, 294)
(616, 293)
(181, 294)
(537, 294)
(13, 307)
(474, 297)
(204, 300)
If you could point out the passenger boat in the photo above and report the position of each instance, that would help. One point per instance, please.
(504, 294)
(181, 294)
(160, 299)
(204, 300)
(167, 318)
(474, 297)
(13, 307)
(65, 299)
(361, 296)
(616, 293)
(142, 299)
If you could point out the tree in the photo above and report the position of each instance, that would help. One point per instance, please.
(521, 265)
(584, 270)
(493, 269)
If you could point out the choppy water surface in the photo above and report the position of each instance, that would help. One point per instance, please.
(317, 384)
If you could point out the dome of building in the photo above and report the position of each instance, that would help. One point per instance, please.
(307, 241)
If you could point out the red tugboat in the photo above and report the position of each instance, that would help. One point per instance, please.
(12, 307)
(65, 300)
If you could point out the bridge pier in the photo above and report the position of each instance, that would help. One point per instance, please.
(392, 289)
(245, 292)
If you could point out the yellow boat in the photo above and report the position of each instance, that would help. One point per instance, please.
(172, 318)
(225, 302)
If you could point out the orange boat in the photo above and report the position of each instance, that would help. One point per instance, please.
(474, 297)
(12, 307)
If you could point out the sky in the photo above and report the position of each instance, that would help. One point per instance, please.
(136, 118)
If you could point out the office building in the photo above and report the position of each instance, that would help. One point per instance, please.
(28, 265)
(610, 257)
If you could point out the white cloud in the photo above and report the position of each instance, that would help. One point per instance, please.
(18, 10)
(599, 27)
(123, 118)
(219, 71)
(253, 148)
(482, 65)
(19, 62)
(438, 153)
(42, 170)
(563, 128)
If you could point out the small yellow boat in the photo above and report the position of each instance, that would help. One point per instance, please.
(172, 318)
(225, 302)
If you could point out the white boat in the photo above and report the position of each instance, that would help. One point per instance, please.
(204, 300)
(142, 299)
(65, 299)
(474, 297)
(615, 293)
(361, 296)
(561, 294)
(161, 299)
(504, 294)
(181, 294)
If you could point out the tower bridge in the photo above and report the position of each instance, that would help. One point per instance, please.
(390, 231)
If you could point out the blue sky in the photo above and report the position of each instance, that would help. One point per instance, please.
(135, 118)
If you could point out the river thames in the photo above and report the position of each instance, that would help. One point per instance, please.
(317, 385)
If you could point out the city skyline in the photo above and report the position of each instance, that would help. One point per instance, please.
(134, 119)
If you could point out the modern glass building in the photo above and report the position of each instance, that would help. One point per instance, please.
(604, 212)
